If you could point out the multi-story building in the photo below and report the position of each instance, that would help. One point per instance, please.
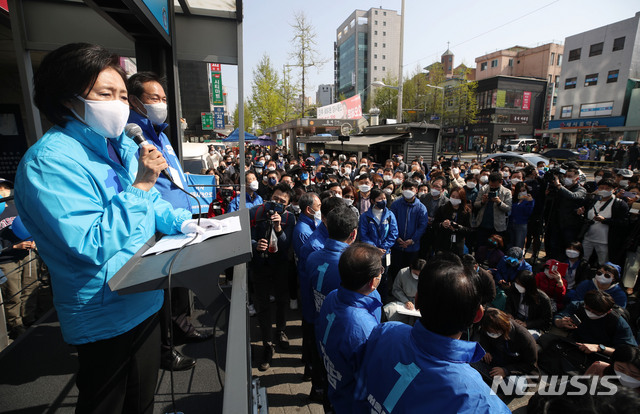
(325, 95)
(366, 50)
(542, 62)
(599, 84)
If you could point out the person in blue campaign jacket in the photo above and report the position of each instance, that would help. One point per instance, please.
(253, 198)
(425, 368)
(90, 206)
(378, 227)
(322, 265)
(606, 280)
(148, 103)
(309, 219)
(509, 266)
(347, 317)
(412, 218)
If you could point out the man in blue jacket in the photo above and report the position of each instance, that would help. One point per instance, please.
(347, 317)
(425, 368)
(253, 199)
(148, 103)
(509, 266)
(412, 218)
(271, 233)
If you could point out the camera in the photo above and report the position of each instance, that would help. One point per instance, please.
(272, 207)
(550, 175)
(492, 194)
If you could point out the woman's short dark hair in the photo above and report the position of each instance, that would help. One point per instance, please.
(576, 245)
(375, 193)
(67, 72)
(599, 301)
(358, 264)
(448, 296)
(527, 279)
(496, 320)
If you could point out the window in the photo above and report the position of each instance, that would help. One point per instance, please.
(375, 22)
(559, 59)
(384, 45)
(494, 63)
(384, 56)
(483, 66)
(450, 58)
(553, 58)
(384, 13)
(383, 68)
(596, 49)
(375, 32)
(384, 33)
(375, 44)
(557, 81)
(550, 78)
(384, 23)
(566, 111)
(570, 83)
(510, 63)
(375, 68)
(574, 54)
(591, 80)
(375, 12)
(375, 56)
(618, 44)
(612, 76)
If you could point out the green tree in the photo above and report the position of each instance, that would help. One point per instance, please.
(460, 100)
(386, 99)
(305, 53)
(266, 103)
(248, 118)
(288, 92)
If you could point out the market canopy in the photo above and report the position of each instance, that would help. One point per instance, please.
(235, 136)
(264, 141)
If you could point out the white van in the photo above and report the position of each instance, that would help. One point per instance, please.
(519, 144)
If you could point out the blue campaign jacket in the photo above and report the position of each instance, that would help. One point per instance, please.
(322, 270)
(304, 228)
(168, 190)
(342, 328)
(88, 220)
(412, 221)
(617, 293)
(314, 243)
(507, 273)
(234, 205)
(382, 235)
(412, 370)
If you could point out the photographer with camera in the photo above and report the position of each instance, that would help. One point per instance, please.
(494, 204)
(566, 195)
(271, 236)
(452, 223)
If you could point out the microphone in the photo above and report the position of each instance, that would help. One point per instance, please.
(134, 132)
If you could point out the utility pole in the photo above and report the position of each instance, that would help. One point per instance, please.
(399, 116)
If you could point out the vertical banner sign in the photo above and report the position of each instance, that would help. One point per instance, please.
(501, 98)
(526, 101)
(207, 120)
(216, 84)
(218, 117)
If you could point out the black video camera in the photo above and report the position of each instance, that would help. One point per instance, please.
(272, 207)
(550, 175)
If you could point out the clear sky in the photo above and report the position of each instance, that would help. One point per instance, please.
(472, 27)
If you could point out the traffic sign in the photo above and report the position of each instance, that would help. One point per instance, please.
(207, 120)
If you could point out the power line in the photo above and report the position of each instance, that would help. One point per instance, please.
(488, 31)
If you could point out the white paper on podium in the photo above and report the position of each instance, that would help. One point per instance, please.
(404, 311)
(176, 241)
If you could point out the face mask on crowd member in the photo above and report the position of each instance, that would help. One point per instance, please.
(484, 179)
(106, 117)
(570, 179)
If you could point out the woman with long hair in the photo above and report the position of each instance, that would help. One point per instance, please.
(453, 223)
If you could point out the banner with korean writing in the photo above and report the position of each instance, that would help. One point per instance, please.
(501, 98)
(218, 117)
(201, 187)
(216, 84)
(207, 120)
(526, 101)
(350, 108)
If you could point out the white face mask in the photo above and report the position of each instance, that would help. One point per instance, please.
(598, 178)
(387, 191)
(475, 171)
(106, 118)
(568, 182)
(387, 177)
(494, 335)
(572, 254)
(267, 157)
(317, 215)
(265, 179)
(519, 288)
(515, 181)
(471, 185)
(397, 181)
(254, 185)
(505, 174)
(624, 183)
(272, 168)
(455, 171)
(484, 179)
(600, 278)
(408, 194)
(455, 201)
(435, 192)
(604, 193)
(416, 277)
(157, 113)
(348, 201)
(627, 381)
(364, 188)
(593, 316)
(347, 171)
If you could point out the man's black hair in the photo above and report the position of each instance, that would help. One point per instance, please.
(341, 221)
(284, 188)
(135, 84)
(67, 72)
(329, 204)
(408, 183)
(495, 177)
(306, 200)
(364, 175)
(599, 301)
(358, 264)
(448, 296)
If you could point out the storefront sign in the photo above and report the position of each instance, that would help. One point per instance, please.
(596, 109)
(216, 84)
(613, 121)
(350, 108)
(526, 101)
(508, 130)
(218, 117)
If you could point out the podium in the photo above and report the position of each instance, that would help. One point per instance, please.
(198, 267)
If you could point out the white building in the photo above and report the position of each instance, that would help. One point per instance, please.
(599, 84)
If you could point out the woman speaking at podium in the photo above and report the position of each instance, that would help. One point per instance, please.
(89, 206)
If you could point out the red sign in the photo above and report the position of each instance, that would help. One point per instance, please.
(215, 67)
(526, 101)
(4, 4)
(350, 108)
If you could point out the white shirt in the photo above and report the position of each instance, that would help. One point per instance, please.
(599, 232)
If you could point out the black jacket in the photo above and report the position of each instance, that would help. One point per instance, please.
(518, 354)
(443, 237)
(539, 314)
(565, 203)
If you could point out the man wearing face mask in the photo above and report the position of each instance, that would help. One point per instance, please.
(362, 201)
(253, 199)
(494, 204)
(214, 157)
(148, 103)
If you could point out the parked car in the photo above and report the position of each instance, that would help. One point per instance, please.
(519, 144)
(510, 158)
(561, 154)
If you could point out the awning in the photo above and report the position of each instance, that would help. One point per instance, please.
(361, 143)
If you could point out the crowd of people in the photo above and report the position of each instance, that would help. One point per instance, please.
(393, 222)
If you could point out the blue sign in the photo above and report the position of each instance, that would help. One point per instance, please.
(606, 122)
(218, 117)
(201, 187)
(160, 10)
